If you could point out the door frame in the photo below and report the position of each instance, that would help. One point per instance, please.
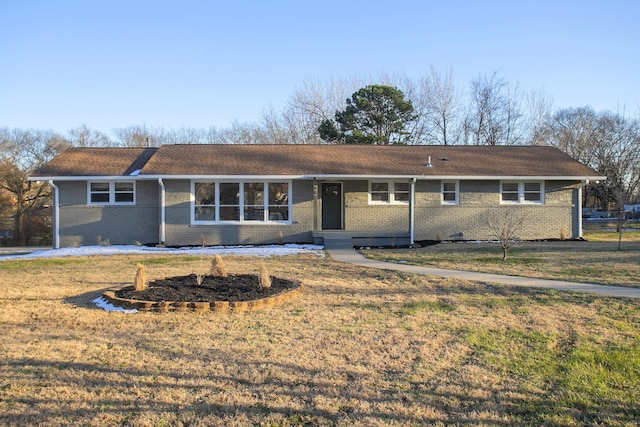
(341, 212)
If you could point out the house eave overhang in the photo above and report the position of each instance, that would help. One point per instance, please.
(141, 177)
(85, 178)
(460, 177)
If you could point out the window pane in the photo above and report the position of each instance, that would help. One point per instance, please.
(449, 187)
(123, 192)
(252, 213)
(380, 197)
(278, 213)
(379, 186)
(510, 197)
(278, 193)
(229, 213)
(100, 186)
(532, 186)
(401, 186)
(205, 214)
(100, 192)
(401, 191)
(449, 197)
(229, 194)
(100, 198)
(254, 193)
(510, 186)
(205, 193)
(124, 197)
(124, 186)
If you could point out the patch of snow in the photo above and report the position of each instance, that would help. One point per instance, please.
(262, 251)
(106, 305)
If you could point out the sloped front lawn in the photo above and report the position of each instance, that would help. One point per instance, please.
(358, 347)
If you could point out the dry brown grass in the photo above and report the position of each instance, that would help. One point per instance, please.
(594, 261)
(358, 347)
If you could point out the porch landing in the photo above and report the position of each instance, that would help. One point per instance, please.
(343, 239)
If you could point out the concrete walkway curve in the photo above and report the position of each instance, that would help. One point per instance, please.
(353, 257)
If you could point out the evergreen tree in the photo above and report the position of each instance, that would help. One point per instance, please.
(375, 114)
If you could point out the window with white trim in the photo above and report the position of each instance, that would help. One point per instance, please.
(450, 192)
(389, 192)
(111, 192)
(229, 202)
(379, 192)
(250, 201)
(205, 201)
(522, 192)
(401, 192)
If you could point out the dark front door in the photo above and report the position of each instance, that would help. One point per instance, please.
(331, 206)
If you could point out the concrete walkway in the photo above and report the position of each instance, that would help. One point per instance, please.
(352, 257)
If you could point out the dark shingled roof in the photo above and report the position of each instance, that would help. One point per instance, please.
(97, 162)
(298, 160)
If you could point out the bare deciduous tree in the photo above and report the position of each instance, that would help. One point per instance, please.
(618, 157)
(21, 152)
(439, 109)
(313, 103)
(138, 136)
(506, 228)
(494, 112)
(574, 131)
(83, 136)
(539, 105)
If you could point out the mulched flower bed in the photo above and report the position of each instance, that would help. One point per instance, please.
(240, 287)
(237, 292)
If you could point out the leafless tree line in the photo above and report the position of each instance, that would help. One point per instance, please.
(490, 111)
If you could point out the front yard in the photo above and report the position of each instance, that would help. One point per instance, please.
(358, 347)
(596, 260)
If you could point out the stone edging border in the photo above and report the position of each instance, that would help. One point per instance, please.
(218, 306)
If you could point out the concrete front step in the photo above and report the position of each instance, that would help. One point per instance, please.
(338, 243)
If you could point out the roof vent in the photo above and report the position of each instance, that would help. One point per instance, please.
(429, 162)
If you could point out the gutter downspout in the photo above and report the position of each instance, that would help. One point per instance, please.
(56, 215)
(412, 202)
(580, 208)
(315, 204)
(162, 230)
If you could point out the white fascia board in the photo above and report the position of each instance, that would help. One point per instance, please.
(84, 178)
(166, 177)
(461, 177)
(517, 178)
(221, 177)
(348, 177)
(316, 176)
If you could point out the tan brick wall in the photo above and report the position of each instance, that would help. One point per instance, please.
(179, 231)
(82, 224)
(362, 216)
(480, 202)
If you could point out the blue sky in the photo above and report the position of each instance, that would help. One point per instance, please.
(115, 63)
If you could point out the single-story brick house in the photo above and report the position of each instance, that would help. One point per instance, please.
(256, 194)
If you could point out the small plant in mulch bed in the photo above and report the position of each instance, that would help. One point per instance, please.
(264, 278)
(140, 282)
(217, 267)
